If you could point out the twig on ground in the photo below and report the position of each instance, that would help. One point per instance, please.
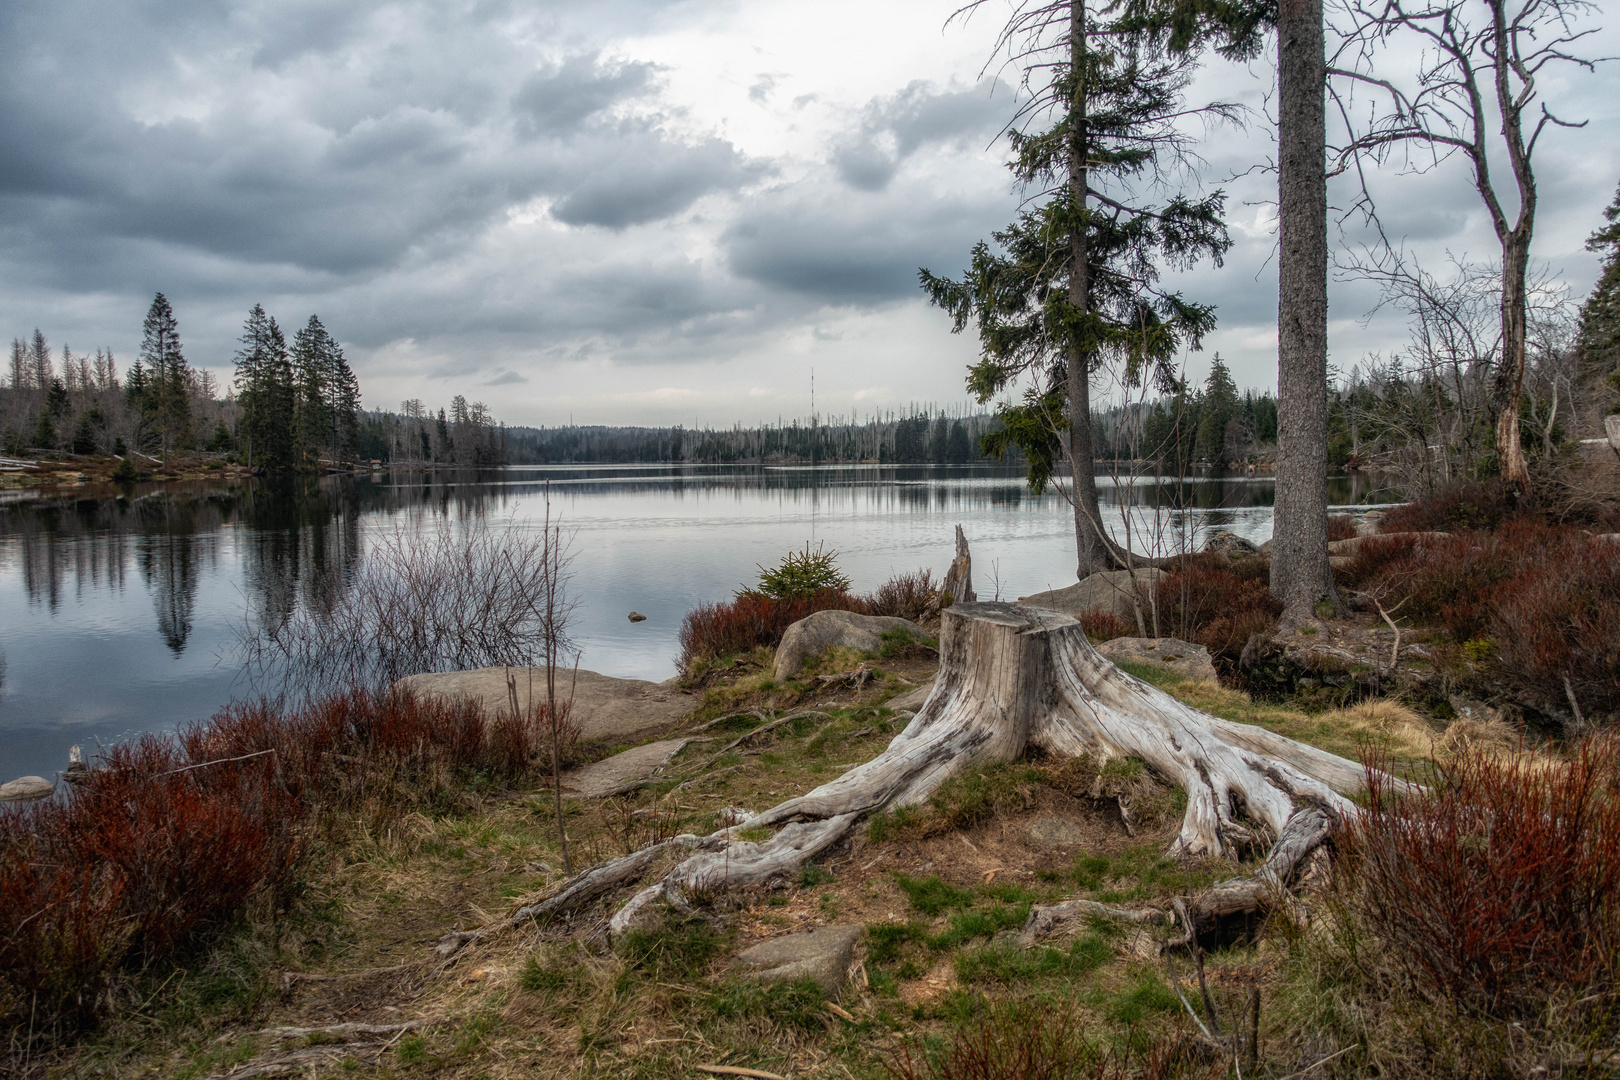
(218, 761)
(737, 1070)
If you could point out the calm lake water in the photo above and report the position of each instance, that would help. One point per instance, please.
(122, 615)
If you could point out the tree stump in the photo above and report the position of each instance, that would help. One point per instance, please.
(1011, 678)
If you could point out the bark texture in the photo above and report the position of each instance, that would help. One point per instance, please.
(1300, 575)
(1010, 678)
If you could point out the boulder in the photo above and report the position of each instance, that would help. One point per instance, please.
(1231, 545)
(912, 699)
(636, 616)
(621, 772)
(1182, 657)
(825, 955)
(604, 707)
(817, 633)
(1113, 591)
(27, 789)
(1055, 832)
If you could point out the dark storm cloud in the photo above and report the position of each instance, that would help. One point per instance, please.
(894, 128)
(354, 150)
(558, 98)
(644, 179)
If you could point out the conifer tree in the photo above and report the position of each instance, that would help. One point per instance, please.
(1218, 409)
(310, 363)
(264, 384)
(1599, 341)
(1071, 288)
(167, 396)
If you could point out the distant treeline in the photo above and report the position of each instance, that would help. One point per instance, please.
(917, 437)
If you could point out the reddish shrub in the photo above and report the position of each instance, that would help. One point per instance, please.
(1341, 527)
(172, 838)
(1217, 606)
(1546, 597)
(1467, 506)
(1102, 625)
(1498, 882)
(1556, 626)
(905, 596)
(751, 619)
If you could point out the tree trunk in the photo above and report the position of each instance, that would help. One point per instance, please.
(1509, 382)
(1300, 575)
(1010, 678)
(1092, 553)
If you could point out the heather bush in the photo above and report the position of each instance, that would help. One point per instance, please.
(172, 839)
(1216, 604)
(905, 596)
(1497, 883)
(1340, 527)
(753, 618)
(1536, 607)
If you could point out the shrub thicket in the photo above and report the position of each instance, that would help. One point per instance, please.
(1498, 883)
(1541, 603)
(1216, 604)
(756, 617)
(174, 838)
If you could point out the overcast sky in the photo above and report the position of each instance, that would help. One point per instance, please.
(610, 211)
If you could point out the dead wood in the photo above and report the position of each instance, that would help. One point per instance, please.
(1014, 678)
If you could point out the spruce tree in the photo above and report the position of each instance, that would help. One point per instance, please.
(310, 363)
(1599, 341)
(1218, 409)
(167, 399)
(1071, 288)
(264, 384)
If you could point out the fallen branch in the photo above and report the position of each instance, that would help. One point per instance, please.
(282, 1034)
(737, 1070)
(217, 761)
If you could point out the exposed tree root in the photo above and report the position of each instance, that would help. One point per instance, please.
(1012, 678)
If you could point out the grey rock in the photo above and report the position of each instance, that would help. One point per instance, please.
(912, 699)
(1112, 591)
(1611, 428)
(604, 707)
(817, 633)
(621, 772)
(1265, 548)
(1055, 832)
(825, 955)
(1231, 545)
(1182, 657)
(27, 789)
(636, 616)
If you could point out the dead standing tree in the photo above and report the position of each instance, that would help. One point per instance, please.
(1477, 76)
(1014, 679)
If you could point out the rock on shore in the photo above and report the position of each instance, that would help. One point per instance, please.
(604, 707)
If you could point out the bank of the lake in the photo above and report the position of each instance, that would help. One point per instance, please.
(123, 613)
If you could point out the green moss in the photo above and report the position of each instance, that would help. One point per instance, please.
(1148, 996)
(1008, 962)
(931, 896)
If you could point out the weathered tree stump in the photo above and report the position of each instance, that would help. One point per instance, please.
(1012, 678)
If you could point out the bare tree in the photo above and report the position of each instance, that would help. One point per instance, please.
(1472, 92)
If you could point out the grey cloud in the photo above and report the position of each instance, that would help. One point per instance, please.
(646, 178)
(507, 379)
(894, 128)
(557, 99)
(862, 250)
(315, 28)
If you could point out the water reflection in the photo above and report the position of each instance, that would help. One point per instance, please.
(123, 614)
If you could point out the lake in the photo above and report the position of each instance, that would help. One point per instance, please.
(122, 615)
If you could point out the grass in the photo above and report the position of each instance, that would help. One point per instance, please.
(939, 957)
